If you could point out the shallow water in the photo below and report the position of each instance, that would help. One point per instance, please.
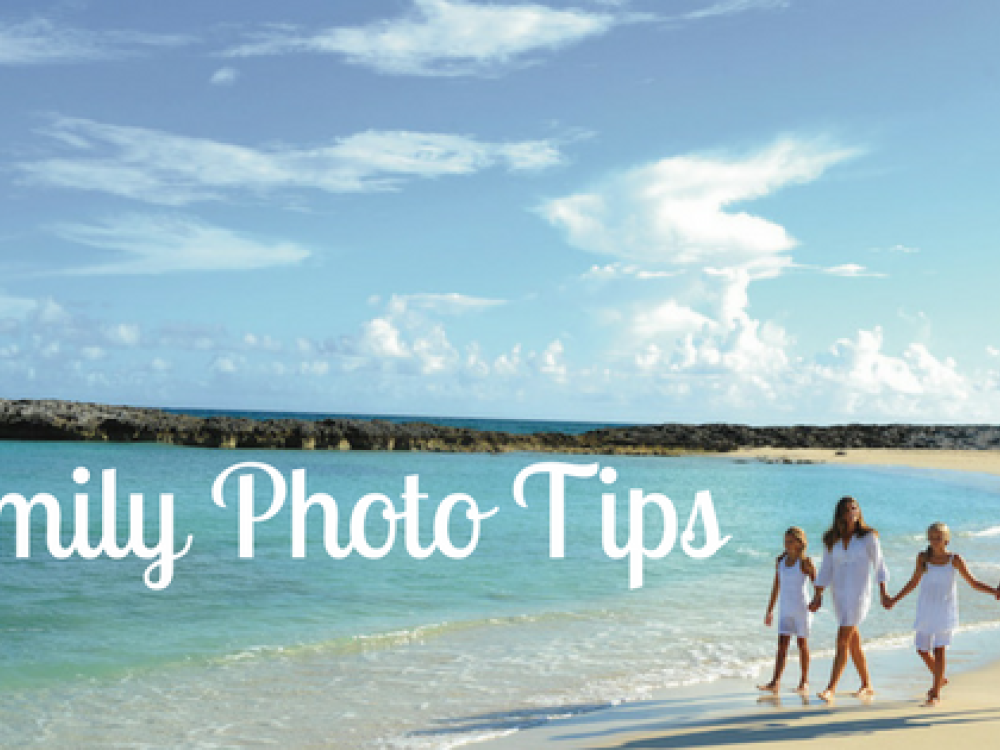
(418, 653)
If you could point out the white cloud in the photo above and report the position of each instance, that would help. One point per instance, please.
(226, 365)
(443, 304)
(93, 352)
(123, 334)
(40, 41)
(851, 270)
(897, 249)
(675, 211)
(443, 38)
(226, 76)
(158, 167)
(611, 271)
(166, 244)
(862, 379)
(16, 307)
(264, 342)
(669, 317)
(732, 7)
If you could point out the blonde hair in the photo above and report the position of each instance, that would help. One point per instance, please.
(800, 537)
(945, 531)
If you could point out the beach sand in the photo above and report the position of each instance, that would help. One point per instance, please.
(986, 462)
(730, 714)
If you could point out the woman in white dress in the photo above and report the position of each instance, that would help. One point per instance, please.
(852, 551)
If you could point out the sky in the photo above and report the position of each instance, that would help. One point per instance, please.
(756, 211)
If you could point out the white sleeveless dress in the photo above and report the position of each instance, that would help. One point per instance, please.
(937, 606)
(794, 617)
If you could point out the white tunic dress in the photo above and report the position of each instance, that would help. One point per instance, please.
(847, 571)
(937, 605)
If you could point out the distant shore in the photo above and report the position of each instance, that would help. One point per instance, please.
(54, 420)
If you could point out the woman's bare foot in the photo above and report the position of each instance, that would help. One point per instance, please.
(771, 687)
(826, 695)
(864, 692)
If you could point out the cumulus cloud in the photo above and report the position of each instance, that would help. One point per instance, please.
(168, 244)
(866, 380)
(158, 167)
(39, 41)
(443, 38)
(679, 210)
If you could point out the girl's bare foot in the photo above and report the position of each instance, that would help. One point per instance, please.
(826, 695)
(864, 692)
(771, 687)
(932, 700)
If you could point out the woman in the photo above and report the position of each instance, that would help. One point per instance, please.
(852, 549)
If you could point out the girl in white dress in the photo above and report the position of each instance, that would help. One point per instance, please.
(852, 551)
(937, 573)
(792, 575)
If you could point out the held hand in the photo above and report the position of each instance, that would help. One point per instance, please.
(768, 619)
(816, 603)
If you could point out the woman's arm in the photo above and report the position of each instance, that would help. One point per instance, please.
(769, 617)
(874, 549)
(918, 573)
(978, 585)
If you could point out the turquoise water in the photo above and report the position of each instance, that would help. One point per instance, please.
(398, 652)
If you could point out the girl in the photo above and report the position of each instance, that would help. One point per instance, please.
(792, 572)
(937, 606)
(852, 551)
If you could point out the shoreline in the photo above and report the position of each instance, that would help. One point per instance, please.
(971, 461)
(730, 712)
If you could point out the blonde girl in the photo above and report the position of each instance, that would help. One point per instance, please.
(793, 572)
(937, 572)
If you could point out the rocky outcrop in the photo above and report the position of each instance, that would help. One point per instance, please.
(68, 420)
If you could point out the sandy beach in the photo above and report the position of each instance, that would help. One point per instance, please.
(986, 462)
(729, 713)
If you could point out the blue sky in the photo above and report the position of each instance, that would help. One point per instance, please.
(763, 211)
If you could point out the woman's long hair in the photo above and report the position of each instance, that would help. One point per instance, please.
(837, 528)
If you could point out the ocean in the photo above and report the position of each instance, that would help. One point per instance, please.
(399, 652)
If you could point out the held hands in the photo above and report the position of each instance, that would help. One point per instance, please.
(816, 603)
(889, 601)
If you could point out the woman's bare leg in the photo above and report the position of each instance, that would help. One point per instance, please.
(861, 664)
(844, 636)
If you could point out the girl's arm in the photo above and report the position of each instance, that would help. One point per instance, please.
(959, 564)
(918, 573)
(878, 562)
(809, 569)
(769, 617)
(822, 580)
